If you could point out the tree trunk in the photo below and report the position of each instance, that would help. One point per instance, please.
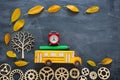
(22, 53)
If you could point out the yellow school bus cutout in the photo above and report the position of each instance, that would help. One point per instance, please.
(48, 57)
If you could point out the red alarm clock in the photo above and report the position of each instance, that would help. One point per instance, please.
(53, 38)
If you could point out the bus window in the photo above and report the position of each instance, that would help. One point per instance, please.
(61, 54)
(46, 54)
(53, 54)
(73, 54)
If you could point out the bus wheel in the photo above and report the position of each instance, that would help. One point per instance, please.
(61, 74)
(77, 63)
(48, 63)
(74, 73)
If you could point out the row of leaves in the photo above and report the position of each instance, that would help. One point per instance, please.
(105, 61)
(38, 9)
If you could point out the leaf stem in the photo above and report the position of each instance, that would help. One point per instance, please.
(10, 23)
(25, 14)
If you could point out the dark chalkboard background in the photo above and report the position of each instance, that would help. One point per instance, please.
(94, 36)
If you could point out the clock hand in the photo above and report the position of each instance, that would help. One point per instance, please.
(53, 38)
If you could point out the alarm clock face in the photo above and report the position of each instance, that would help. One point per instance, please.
(53, 39)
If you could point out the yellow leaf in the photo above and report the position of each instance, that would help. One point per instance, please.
(92, 9)
(91, 63)
(20, 63)
(35, 10)
(106, 61)
(73, 8)
(11, 54)
(54, 8)
(7, 38)
(80, 60)
(15, 15)
(18, 25)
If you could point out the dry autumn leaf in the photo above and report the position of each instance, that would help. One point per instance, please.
(73, 8)
(54, 8)
(91, 63)
(106, 61)
(92, 9)
(35, 10)
(15, 15)
(7, 38)
(11, 54)
(18, 25)
(21, 63)
(80, 60)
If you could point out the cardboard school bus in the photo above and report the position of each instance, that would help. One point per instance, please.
(50, 56)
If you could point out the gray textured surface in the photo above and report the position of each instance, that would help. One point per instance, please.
(92, 36)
